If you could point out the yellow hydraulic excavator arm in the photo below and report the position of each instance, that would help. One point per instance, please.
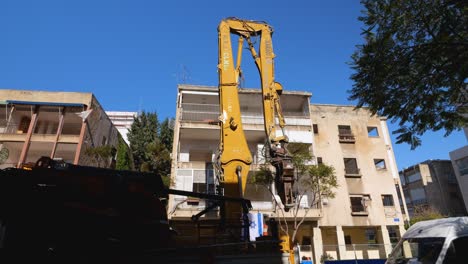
(235, 157)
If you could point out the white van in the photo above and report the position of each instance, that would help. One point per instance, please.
(439, 241)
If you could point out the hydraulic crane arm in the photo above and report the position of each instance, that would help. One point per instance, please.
(235, 156)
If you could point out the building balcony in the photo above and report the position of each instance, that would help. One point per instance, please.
(346, 138)
(353, 173)
(209, 113)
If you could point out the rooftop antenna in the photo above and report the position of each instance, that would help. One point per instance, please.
(183, 75)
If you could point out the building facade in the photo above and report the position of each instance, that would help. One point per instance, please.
(122, 121)
(366, 208)
(432, 184)
(365, 218)
(459, 158)
(60, 125)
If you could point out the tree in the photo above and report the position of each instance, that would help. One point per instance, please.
(423, 213)
(166, 133)
(413, 65)
(313, 182)
(123, 155)
(159, 160)
(100, 154)
(143, 131)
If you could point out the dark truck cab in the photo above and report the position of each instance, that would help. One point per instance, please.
(64, 212)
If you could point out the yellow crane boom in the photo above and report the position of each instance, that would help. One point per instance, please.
(235, 157)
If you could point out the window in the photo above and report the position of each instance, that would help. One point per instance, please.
(359, 204)
(457, 252)
(393, 234)
(199, 187)
(418, 196)
(347, 240)
(319, 160)
(351, 168)
(372, 132)
(414, 177)
(462, 165)
(387, 200)
(315, 128)
(345, 135)
(306, 240)
(344, 130)
(371, 236)
(380, 164)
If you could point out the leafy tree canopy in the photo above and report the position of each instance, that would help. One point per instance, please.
(166, 133)
(123, 155)
(143, 131)
(413, 66)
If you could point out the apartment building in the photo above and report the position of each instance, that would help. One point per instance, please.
(365, 217)
(122, 121)
(459, 158)
(366, 208)
(432, 183)
(61, 125)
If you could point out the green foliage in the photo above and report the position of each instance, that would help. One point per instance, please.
(423, 213)
(159, 158)
(166, 133)
(320, 180)
(151, 145)
(317, 179)
(4, 154)
(264, 176)
(325, 257)
(100, 153)
(413, 65)
(123, 155)
(143, 131)
(301, 154)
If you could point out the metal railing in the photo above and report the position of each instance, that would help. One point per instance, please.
(353, 171)
(349, 138)
(8, 128)
(204, 112)
(356, 251)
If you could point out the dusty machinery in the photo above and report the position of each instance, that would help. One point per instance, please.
(235, 159)
(64, 212)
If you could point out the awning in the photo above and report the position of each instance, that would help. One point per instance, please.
(15, 102)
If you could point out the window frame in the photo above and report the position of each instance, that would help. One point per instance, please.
(372, 135)
(385, 201)
(380, 161)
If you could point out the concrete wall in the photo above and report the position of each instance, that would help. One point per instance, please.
(462, 178)
(45, 96)
(373, 181)
(99, 132)
(72, 141)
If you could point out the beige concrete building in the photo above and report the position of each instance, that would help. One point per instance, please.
(365, 217)
(61, 125)
(433, 184)
(360, 221)
(459, 158)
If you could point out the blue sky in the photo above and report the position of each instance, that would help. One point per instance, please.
(132, 53)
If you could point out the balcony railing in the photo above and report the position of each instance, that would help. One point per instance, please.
(355, 251)
(353, 173)
(210, 112)
(346, 138)
(9, 128)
